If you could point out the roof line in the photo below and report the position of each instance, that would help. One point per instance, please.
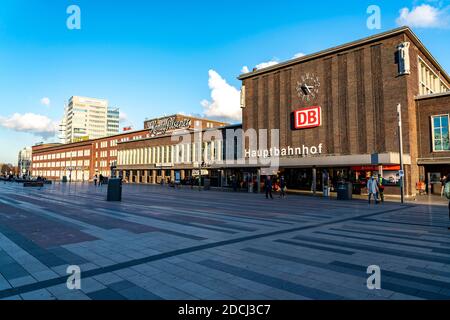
(434, 95)
(348, 46)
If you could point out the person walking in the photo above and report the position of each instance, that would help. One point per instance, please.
(95, 180)
(282, 188)
(447, 194)
(372, 189)
(234, 183)
(443, 182)
(100, 181)
(381, 188)
(268, 187)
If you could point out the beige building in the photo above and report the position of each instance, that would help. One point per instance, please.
(88, 118)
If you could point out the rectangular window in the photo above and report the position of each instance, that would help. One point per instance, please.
(429, 81)
(440, 133)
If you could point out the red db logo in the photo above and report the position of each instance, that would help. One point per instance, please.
(308, 118)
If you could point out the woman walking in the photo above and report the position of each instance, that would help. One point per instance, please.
(282, 188)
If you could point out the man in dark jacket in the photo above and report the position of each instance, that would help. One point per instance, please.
(282, 188)
(268, 186)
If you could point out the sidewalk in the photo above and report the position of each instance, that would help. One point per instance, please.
(418, 199)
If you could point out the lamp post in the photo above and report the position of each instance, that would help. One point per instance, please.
(400, 139)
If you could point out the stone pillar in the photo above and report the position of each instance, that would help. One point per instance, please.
(154, 176)
(182, 174)
(258, 181)
(172, 175)
(145, 176)
(314, 180)
(138, 176)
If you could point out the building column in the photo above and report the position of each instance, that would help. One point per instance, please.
(154, 176)
(138, 176)
(314, 182)
(172, 175)
(163, 175)
(145, 176)
(182, 174)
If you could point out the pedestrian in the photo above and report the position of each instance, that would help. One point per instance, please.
(100, 181)
(234, 183)
(447, 194)
(381, 188)
(95, 180)
(282, 188)
(372, 189)
(268, 186)
(443, 182)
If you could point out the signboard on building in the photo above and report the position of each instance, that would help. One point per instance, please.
(164, 125)
(306, 118)
(196, 172)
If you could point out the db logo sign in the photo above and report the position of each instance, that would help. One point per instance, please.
(308, 118)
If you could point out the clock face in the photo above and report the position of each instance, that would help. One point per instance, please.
(308, 87)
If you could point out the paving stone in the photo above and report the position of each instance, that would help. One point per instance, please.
(154, 245)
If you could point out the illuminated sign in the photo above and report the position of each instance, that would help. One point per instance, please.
(306, 118)
(161, 126)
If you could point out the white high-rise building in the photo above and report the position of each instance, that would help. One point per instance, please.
(113, 121)
(88, 118)
(24, 162)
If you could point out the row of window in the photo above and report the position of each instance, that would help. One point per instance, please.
(104, 144)
(183, 153)
(63, 155)
(75, 175)
(61, 164)
(104, 154)
(429, 81)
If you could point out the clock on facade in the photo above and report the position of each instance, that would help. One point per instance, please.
(308, 87)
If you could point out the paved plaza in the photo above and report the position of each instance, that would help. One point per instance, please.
(162, 243)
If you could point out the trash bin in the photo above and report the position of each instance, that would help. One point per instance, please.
(344, 191)
(357, 189)
(206, 184)
(114, 190)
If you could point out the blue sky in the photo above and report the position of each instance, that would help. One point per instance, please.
(154, 57)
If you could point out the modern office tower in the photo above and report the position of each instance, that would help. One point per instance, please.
(113, 121)
(88, 118)
(24, 162)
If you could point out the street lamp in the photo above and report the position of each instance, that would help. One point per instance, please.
(400, 140)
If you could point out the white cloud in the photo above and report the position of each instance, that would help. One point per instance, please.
(45, 101)
(225, 102)
(123, 116)
(266, 64)
(270, 63)
(36, 124)
(298, 55)
(423, 16)
(245, 69)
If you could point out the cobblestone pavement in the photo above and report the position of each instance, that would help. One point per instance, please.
(162, 243)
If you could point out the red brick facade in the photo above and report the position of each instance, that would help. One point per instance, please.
(360, 88)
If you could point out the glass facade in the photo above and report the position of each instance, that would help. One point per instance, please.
(440, 130)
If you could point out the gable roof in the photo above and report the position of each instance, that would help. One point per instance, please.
(350, 45)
